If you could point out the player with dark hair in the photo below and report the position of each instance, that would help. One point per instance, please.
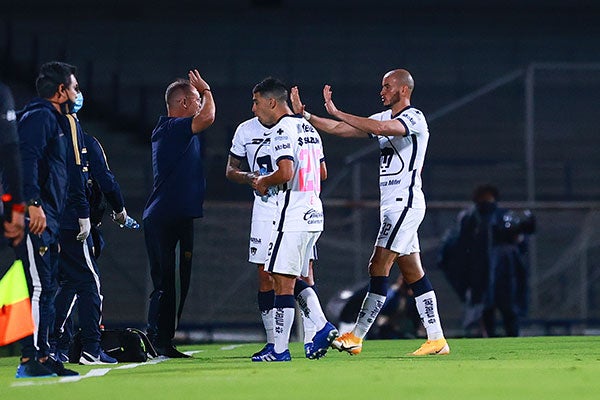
(297, 151)
(12, 209)
(402, 134)
(52, 181)
(250, 143)
(176, 200)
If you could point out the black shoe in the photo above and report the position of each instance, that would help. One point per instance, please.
(58, 368)
(170, 351)
(33, 369)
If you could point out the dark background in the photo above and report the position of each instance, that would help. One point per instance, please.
(129, 51)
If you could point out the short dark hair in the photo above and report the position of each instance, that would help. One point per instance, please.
(53, 74)
(180, 85)
(272, 88)
(481, 190)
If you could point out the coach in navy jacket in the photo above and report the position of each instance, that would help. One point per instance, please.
(176, 200)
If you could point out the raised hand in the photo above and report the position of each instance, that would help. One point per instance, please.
(197, 81)
(329, 105)
(297, 105)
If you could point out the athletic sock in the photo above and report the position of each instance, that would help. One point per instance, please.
(283, 319)
(308, 301)
(371, 306)
(426, 303)
(266, 302)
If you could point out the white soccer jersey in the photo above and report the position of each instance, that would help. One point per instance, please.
(299, 206)
(402, 159)
(252, 141)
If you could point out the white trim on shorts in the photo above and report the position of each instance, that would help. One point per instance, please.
(289, 252)
(398, 230)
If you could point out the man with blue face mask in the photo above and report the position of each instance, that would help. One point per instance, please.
(79, 275)
(52, 182)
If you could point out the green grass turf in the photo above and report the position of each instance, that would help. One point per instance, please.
(520, 368)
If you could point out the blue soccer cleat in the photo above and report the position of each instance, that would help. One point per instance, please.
(271, 356)
(266, 349)
(307, 349)
(322, 340)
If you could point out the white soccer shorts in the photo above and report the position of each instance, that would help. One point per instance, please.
(260, 235)
(398, 230)
(289, 252)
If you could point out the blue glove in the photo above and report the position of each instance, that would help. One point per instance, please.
(130, 223)
(124, 220)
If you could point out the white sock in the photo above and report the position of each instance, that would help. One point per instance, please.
(309, 329)
(268, 320)
(427, 308)
(368, 313)
(308, 301)
(283, 319)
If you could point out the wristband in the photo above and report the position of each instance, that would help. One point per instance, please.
(306, 115)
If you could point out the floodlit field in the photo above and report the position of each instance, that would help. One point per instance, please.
(522, 368)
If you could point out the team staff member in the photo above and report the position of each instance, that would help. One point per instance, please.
(78, 270)
(176, 200)
(403, 134)
(11, 178)
(51, 179)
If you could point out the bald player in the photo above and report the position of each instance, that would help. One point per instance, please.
(403, 134)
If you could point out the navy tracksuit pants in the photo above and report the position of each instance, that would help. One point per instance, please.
(79, 280)
(170, 249)
(39, 255)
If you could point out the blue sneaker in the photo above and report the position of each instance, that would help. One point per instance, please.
(102, 358)
(266, 349)
(58, 368)
(272, 356)
(33, 369)
(307, 349)
(322, 340)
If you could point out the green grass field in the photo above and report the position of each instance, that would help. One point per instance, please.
(519, 368)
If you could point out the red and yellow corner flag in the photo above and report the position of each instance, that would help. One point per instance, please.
(16, 321)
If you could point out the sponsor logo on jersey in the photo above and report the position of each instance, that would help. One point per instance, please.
(307, 140)
(253, 250)
(261, 140)
(283, 146)
(279, 131)
(281, 138)
(391, 182)
(303, 128)
(312, 216)
(255, 240)
(409, 118)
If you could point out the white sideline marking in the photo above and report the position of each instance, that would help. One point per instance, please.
(231, 347)
(101, 371)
